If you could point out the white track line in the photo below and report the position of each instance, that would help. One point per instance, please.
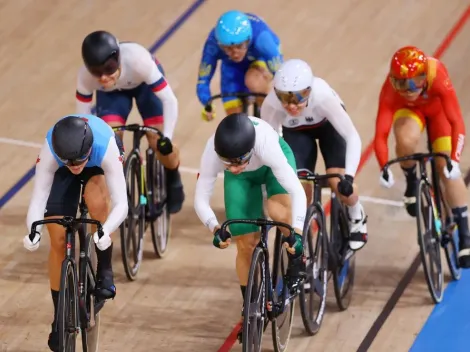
(190, 170)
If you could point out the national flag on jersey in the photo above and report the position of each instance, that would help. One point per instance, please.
(84, 98)
(159, 85)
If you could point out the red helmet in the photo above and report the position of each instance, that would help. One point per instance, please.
(408, 69)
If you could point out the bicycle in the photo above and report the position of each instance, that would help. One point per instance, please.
(435, 226)
(246, 98)
(146, 193)
(266, 293)
(78, 308)
(340, 262)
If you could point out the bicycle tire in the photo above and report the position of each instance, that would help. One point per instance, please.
(343, 269)
(67, 308)
(161, 227)
(131, 240)
(280, 261)
(435, 288)
(250, 342)
(317, 277)
(90, 332)
(450, 241)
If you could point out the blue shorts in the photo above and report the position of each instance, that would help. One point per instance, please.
(116, 106)
(232, 79)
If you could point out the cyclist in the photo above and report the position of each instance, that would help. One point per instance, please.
(251, 154)
(250, 54)
(418, 94)
(79, 148)
(119, 72)
(305, 109)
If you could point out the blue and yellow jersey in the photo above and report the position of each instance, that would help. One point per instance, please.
(264, 47)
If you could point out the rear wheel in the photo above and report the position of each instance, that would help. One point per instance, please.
(282, 324)
(344, 262)
(90, 334)
(133, 227)
(450, 240)
(161, 226)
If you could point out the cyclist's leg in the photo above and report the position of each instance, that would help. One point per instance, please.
(407, 127)
(280, 209)
(304, 147)
(114, 108)
(98, 203)
(455, 191)
(333, 149)
(243, 200)
(151, 110)
(63, 201)
(232, 81)
(258, 79)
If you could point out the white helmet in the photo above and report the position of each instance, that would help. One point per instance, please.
(293, 76)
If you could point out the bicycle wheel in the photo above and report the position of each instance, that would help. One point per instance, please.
(161, 226)
(132, 229)
(450, 240)
(67, 309)
(343, 262)
(312, 297)
(90, 328)
(429, 226)
(282, 324)
(254, 305)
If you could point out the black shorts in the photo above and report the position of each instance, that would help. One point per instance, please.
(65, 191)
(303, 144)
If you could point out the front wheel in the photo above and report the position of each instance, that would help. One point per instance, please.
(429, 228)
(313, 292)
(254, 304)
(67, 309)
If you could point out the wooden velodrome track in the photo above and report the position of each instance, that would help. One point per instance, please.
(190, 300)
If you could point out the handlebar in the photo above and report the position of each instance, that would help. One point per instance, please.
(66, 221)
(134, 127)
(417, 157)
(258, 222)
(242, 95)
(306, 174)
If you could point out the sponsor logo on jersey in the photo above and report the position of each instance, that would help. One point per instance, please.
(309, 118)
(293, 122)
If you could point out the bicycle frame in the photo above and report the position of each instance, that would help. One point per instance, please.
(278, 308)
(422, 159)
(72, 225)
(138, 132)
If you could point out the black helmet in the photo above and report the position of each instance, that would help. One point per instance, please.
(100, 53)
(235, 138)
(72, 139)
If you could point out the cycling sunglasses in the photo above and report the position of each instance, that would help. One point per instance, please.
(237, 161)
(408, 84)
(296, 98)
(110, 66)
(78, 161)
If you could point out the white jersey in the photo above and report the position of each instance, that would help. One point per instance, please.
(324, 104)
(267, 152)
(137, 66)
(46, 166)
